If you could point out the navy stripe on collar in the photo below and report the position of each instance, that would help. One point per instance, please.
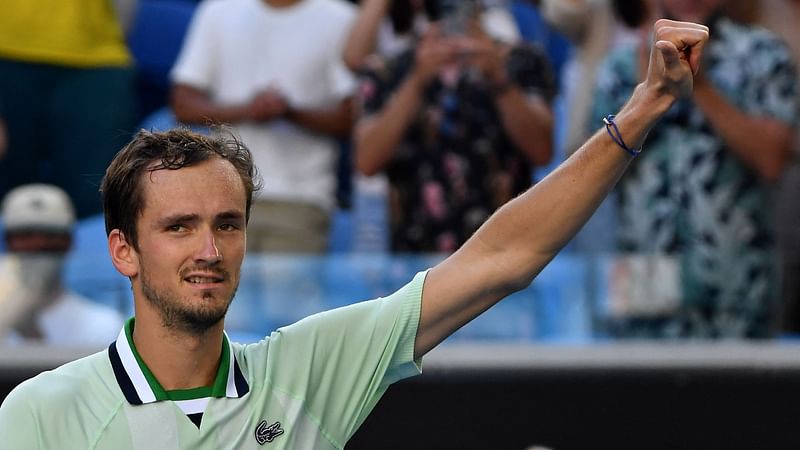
(123, 380)
(242, 387)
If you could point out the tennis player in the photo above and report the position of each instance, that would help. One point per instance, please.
(176, 208)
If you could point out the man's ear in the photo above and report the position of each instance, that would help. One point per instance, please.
(123, 255)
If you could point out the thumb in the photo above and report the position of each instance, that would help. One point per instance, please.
(670, 54)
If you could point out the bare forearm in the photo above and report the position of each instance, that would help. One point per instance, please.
(529, 124)
(336, 121)
(361, 40)
(378, 136)
(513, 246)
(762, 144)
(526, 233)
(194, 107)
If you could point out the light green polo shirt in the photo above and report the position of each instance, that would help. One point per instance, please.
(309, 385)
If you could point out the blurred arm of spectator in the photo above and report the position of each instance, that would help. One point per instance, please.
(336, 121)
(126, 12)
(762, 143)
(194, 106)
(378, 135)
(363, 34)
(527, 119)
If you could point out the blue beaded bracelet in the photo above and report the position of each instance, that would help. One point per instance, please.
(616, 136)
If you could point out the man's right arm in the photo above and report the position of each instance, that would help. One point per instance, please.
(518, 241)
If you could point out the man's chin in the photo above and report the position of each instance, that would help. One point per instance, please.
(198, 322)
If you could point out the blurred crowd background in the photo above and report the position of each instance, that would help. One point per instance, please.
(386, 132)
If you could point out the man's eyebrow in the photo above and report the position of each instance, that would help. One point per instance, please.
(231, 214)
(177, 218)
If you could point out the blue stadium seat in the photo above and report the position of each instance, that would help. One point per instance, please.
(89, 270)
(155, 39)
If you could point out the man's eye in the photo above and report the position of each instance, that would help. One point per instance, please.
(176, 227)
(227, 227)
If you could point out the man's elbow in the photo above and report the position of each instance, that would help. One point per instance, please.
(352, 60)
(772, 169)
(366, 166)
(363, 150)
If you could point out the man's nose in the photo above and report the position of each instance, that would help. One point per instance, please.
(208, 251)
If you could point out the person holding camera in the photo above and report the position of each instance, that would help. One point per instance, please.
(466, 110)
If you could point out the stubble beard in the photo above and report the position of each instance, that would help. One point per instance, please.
(179, 315)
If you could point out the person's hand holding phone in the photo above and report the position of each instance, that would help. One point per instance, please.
(433, 53)
(476, 49)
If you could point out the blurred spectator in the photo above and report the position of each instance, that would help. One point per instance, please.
(390, 27)
(456, 123)
(34, 304)
(782, 17)
(534, 28)
(273, 69)
(67, 92)
(697, 198)
(595, 27)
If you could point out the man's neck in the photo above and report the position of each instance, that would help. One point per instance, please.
(178, 360)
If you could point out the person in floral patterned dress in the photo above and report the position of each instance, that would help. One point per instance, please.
(456, 123)
(699, 192)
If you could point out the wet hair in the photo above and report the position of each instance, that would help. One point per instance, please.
(147, 152)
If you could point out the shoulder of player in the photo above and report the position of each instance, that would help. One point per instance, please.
(59, 388)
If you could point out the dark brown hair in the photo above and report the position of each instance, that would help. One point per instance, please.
(121, 188)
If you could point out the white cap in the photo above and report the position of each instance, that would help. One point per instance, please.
(38, 207)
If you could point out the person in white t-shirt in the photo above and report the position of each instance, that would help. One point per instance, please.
(34, 303)
(273, 69)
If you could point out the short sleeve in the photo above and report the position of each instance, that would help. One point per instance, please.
(195, 64)
(342, 361)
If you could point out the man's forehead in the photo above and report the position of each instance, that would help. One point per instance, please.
(210, 184)
(216, 172)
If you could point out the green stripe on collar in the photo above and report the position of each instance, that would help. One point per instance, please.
(217, 389)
